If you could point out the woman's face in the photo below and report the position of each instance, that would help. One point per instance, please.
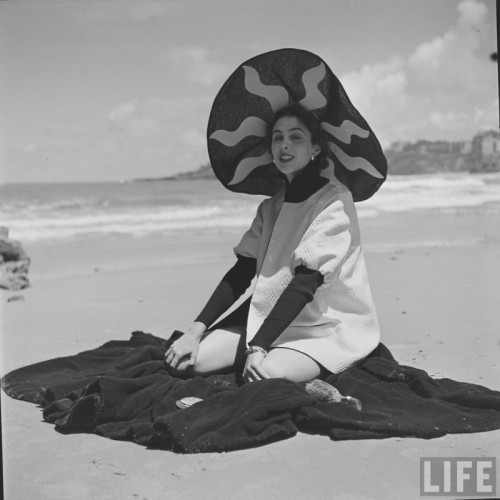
(291, 146)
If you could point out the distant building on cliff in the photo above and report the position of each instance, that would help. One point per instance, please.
(487, 144)
(424, 147)
(399, 145)
(486, 152)
(481, 154)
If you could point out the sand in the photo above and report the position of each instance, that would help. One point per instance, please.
(435, 279)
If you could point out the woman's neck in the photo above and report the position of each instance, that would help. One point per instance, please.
(303, 185)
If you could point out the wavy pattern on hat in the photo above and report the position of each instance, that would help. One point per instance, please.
(311, 79)
(275, 94)
(248, 165)
(249, 126)
(329, 172)
(354, 163)
(345, 132)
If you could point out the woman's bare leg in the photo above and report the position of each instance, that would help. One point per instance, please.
(292, 365)
(222, 349)
(219, 351)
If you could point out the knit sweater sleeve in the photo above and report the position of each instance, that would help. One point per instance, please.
(296, 295)
(230, 289)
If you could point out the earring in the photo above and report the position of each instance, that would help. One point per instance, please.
(312, 157)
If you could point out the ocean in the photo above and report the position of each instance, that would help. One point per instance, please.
(36, 212)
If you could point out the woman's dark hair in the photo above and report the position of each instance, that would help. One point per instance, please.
(312, 124)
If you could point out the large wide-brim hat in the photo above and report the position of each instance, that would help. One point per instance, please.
(237, 128)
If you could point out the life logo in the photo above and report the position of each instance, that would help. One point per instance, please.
(458, 476)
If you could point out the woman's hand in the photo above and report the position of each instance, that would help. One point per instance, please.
(253, 367)
(186, 347)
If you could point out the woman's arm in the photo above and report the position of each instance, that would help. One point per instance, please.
(297, 294)
(232, 286)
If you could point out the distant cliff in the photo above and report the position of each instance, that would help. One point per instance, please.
(204, 172)
(413, 162)
(481, 154)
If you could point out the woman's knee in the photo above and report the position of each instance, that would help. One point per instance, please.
(185, 369)
(217, 353)
(273, 368)
(291, 365)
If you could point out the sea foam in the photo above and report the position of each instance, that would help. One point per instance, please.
(47, 212)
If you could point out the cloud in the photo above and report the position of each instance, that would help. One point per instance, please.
(193, 144)
(445, 89)
(198, 65)
(148, 9)
(164, 133)
(157, 121)
(30, 148)
(454, 60)
(383, 81)
(449, 121)
(131, 118)
(430, 55)
(123, 111)
(472, 13)
(109, 11)
(154, 116)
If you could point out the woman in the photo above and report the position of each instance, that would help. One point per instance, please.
(311, 311)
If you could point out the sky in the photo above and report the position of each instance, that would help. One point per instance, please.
(112, 90)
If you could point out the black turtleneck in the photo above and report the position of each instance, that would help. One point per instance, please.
(296, 295)
(303, 185)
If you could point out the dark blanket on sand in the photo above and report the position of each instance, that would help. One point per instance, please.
(122, 390)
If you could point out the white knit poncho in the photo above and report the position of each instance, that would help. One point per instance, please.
(339, 326)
